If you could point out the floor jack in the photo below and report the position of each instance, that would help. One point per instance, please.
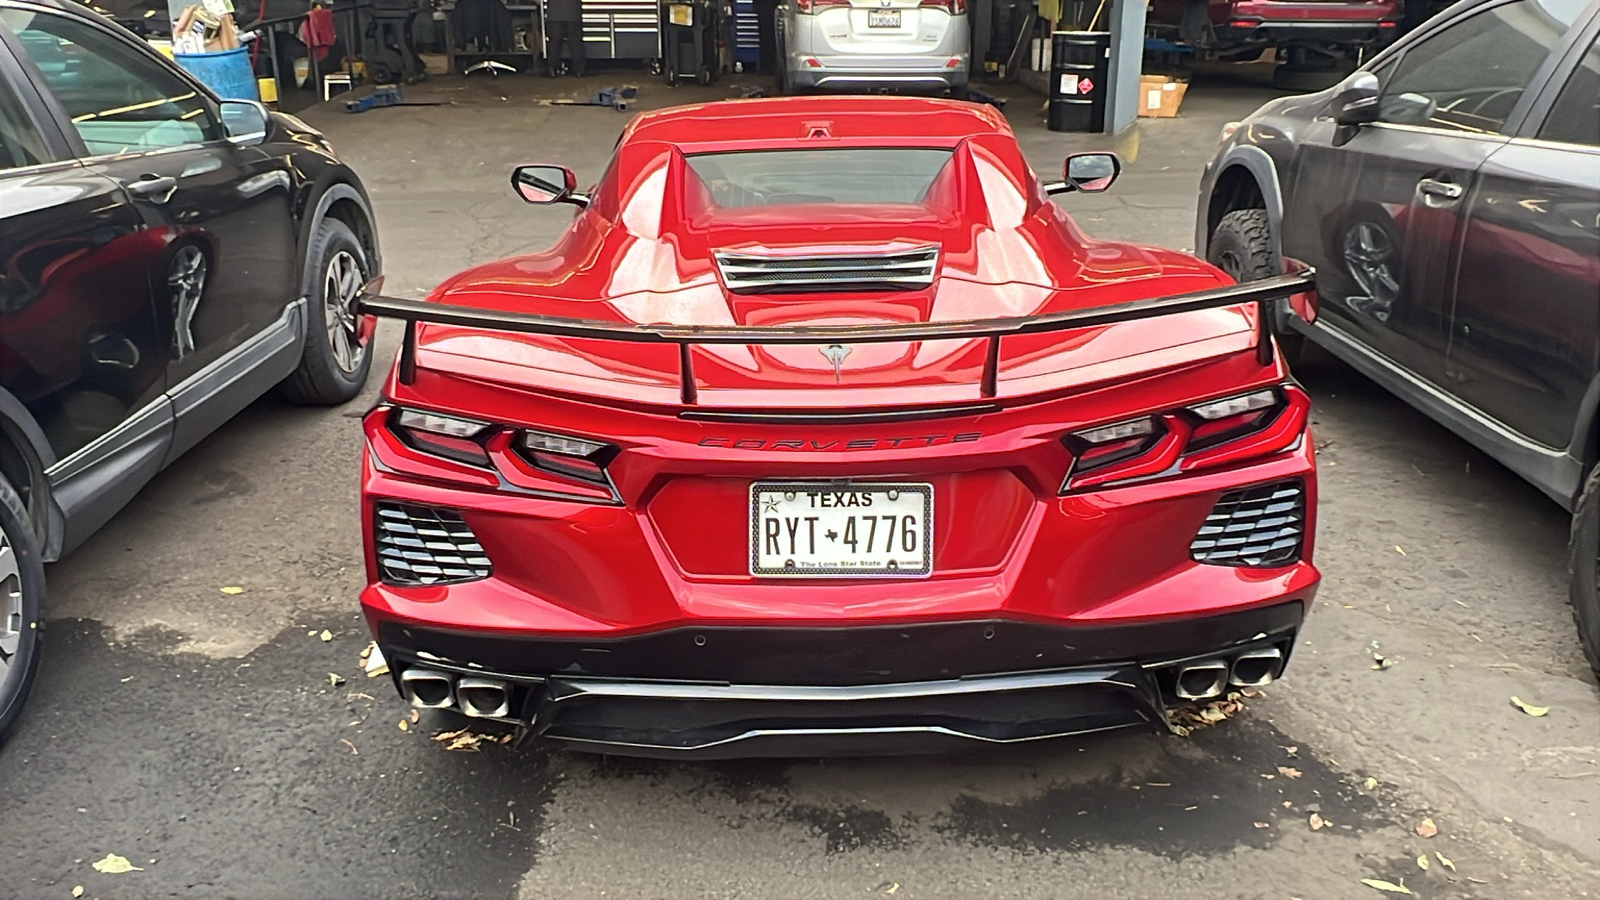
(387, 95)
(615, 97)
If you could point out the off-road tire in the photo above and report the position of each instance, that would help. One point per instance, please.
(320, 380)
(1584, 566)
(21, 606)
(1241, 245)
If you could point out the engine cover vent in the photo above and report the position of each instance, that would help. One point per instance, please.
(745, 273)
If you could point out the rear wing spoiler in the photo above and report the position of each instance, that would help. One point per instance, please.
(1298, 287)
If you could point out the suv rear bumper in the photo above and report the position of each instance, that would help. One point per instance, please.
(1248, 32)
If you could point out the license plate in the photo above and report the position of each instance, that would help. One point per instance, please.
(883, 18)
(823, 529)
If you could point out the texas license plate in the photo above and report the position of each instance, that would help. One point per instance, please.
(883, 18)
(825, 529)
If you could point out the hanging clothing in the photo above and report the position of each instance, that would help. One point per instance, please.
(317, 32)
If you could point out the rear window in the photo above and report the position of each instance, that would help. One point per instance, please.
(836, 175)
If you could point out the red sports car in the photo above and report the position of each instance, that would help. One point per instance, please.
(823, 430)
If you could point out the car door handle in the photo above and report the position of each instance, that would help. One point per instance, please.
(153, 188)
(1444, 190)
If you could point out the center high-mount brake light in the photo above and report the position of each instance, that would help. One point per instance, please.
(451, 437)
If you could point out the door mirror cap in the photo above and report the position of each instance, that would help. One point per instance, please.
(244, 121)
(544, 185)
(1091, 173)
(1356, 101)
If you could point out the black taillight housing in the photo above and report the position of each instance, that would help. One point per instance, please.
(451, 437)
(1215, 433)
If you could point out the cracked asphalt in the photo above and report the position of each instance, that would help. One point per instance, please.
(203, 736)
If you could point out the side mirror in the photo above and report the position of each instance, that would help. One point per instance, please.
(244, 121)
(544, 185)
(1356, 103)
(1091, 173)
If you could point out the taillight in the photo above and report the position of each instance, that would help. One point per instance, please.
(1206, 435)
(953, 7)
(451, 437)
(811, 6)
(573, 457)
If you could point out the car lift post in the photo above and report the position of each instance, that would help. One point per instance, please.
(1125, 21)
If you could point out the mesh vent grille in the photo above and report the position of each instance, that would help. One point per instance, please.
(909, 269)
(1260, 526)
(423, 545)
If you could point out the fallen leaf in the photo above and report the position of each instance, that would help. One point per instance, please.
(1317, 822)
(335, 680)
(77, 890)
(1529, 708)
(1372, 783)
(1291, 749)
(1402, 553)
(1289, 771)
(326, 635)
(232, 589)
(372, 661)
(1426, 828)
(404, 724)
(353, 750)
(1382, 885)
(1381, 662)
(1445, 861)
(1263, 825)
(413, 715)
(1422, 862)
(115, 865)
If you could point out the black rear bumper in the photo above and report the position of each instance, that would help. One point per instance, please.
(762, 691)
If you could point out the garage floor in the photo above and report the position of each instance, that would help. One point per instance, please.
(203, 736)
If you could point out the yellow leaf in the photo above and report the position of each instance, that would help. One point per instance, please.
(1422, 862)
(1382, 885)
(1317, 822)
(326, 635)
(404, 724)
(1445, 861)
(1529, 708)
(232, 589)
(1372, 783)
(77, 890)
(115, 865)
(1426, 828)
(1288, 772)
(1402, 553)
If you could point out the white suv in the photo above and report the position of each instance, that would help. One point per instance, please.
(873, 45)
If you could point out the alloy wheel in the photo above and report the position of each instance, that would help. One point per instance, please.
(340, 285)
(10, 606)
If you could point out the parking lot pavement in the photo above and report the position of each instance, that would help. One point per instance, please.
(202, 735)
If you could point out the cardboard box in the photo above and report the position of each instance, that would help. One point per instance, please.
(1160, 96)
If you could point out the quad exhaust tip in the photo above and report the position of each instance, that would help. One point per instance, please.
(483, 698)
(1202, 681)
(1256, 668)
(427, 689)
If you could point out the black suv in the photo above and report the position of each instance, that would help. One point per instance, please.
(1448, 193)
(165, 258)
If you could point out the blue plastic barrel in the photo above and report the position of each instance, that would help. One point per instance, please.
(227, 73)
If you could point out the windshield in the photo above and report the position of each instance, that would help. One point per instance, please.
(836, 175)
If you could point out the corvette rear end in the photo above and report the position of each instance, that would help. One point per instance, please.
(889, 460)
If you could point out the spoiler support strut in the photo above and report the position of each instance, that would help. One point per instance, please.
(1262, 293)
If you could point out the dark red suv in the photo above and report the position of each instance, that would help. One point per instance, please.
(1317, 41)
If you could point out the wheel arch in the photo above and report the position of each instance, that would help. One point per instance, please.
(344, 201)
(25, 455)
(1585, 447)
(1246, 179)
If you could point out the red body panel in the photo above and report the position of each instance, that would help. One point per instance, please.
(671, 547)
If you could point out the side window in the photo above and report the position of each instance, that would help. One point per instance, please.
(1575, 117)
(20, 143)
(1470, 76)
(118, 99)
